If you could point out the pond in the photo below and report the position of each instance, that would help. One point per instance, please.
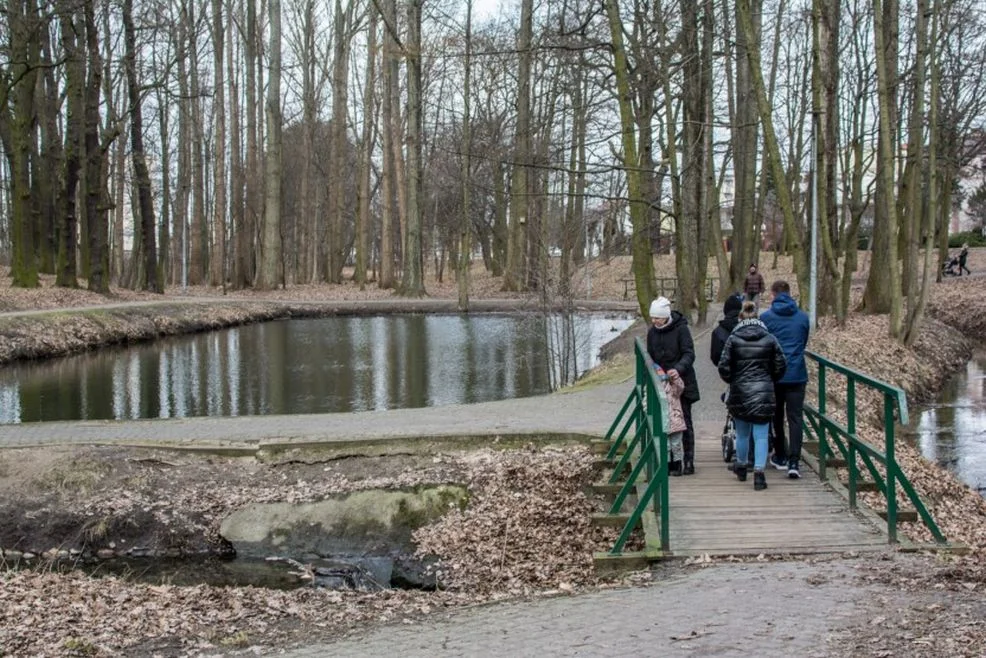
(336, 364)
(952, 432)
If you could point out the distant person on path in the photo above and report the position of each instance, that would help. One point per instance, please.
(670, 345)
(674, 385)
(752, 360)
(963, 257)
(754, 285)
(791, 327)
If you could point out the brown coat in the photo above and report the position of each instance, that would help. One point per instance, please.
(754, 284)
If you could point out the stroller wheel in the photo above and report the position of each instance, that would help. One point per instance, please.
(728, 443)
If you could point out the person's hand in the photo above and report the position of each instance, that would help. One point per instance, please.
(673, 374)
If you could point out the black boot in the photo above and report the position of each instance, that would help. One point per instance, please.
(689, 468)
(759, 481)
(740, 472)
(674, 468)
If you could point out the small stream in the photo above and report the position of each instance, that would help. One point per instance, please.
(952, 432)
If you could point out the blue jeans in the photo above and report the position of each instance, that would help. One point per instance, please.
(745, 430)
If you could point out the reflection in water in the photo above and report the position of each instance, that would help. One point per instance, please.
(313, 366)
(953, 432)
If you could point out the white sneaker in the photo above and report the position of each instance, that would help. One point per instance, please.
(779, 465)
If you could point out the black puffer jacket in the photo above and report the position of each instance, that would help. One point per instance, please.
(671, 347)
(752, 360)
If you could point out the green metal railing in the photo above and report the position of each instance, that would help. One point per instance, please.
(830, 432)
(645, 413)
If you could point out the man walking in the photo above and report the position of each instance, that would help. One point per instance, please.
(753, 286)
(790, 325)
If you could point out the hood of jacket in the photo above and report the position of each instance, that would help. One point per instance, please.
(729, 322)
(784, 304)
(751, 329)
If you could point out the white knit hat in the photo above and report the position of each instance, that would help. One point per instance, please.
(660, 308)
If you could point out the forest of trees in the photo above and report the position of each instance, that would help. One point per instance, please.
(239, 143)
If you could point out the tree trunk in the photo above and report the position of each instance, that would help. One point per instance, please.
(24, 54)
(389, 187)
(363, 218)
(217, 269)
(643, 265)
(198, 242)
(690, 261)
(339, 151)
(884, 257)
(148, 278)
(770, 143)
(745, 137)
(268, 275)
(66, 269)
(465, 222)
(252, 178)
(95, 212)
(884, 273)
(915, 318)
(520, 188)
(413, 284)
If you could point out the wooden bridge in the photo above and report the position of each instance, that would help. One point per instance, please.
(712, 513)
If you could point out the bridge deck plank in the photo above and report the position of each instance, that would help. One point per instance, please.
(714, 513)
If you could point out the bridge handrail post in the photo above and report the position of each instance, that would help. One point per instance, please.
(851, 426)
(823, 447)
(893, 471)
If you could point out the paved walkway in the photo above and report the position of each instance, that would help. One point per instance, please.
(756, 609)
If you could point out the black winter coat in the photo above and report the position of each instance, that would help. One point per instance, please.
(671, 347)
(752, 360)
(720, 334)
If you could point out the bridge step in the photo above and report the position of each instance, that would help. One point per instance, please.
(606, 564)
(903, 515)
(867, 485)
(602, 447)
(610, 520)
(835, 462)
(608, 489)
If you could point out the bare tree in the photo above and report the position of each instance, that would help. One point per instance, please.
(270, 248)
(412, 284)
(147, 271)
(514, 274)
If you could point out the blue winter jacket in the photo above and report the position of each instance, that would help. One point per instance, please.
(790, 325)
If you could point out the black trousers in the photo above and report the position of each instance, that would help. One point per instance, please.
(790, 404)
(688, 439)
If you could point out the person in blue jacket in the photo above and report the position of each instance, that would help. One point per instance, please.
(790, 325)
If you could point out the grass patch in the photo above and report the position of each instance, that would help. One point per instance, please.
(76, 646)
(612, 371)
(78, 476)
(236, 641)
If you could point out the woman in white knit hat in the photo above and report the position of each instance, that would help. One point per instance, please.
(670, 345)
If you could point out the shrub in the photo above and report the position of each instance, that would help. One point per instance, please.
(974, 238)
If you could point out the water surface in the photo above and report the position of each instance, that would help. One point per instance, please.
(952, 432)
(337, 364)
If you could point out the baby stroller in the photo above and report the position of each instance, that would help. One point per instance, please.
(951, 266)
